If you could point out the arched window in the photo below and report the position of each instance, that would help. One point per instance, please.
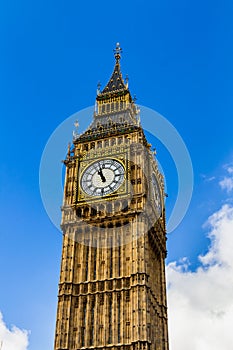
(93, 211)
(117, 207)
(125, 206)
(113, 142)
(79, 212)
(86, 212)
(109, 208)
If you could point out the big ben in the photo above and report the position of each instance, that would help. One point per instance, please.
(112, 290)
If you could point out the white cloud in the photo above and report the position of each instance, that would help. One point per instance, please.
(201, 302)
(209, 179)
(227, 183)
(13, 338)
(230, 169)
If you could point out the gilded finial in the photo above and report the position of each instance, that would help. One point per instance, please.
(117, 51)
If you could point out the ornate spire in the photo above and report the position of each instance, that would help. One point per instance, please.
(116, 89)
(116, 81)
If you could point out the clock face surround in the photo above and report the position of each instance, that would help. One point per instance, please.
(156, 193)
(102, 177)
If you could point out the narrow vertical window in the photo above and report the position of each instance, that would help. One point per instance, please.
(128, 330)
(110, 272)
(119, 319)
(84, 323)
(119, 258)
(92, 322)
(110, 321)
(94, 261)
(87, 255)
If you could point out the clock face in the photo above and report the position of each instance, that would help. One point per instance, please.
(156, 193)
(102, 177)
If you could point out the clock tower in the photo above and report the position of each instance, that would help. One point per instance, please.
(112, 290)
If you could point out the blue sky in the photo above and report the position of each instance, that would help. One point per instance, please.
(178, 56)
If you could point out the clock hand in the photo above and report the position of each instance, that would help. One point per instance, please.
(100, 173)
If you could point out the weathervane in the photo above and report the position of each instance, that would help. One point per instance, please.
(117, 51)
